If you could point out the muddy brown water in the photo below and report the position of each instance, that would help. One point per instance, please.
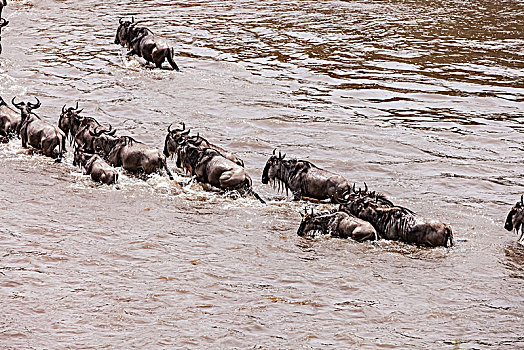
(422, 100)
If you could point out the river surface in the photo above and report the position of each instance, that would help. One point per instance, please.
(422, 100)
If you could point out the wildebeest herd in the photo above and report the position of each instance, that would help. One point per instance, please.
(361, 215)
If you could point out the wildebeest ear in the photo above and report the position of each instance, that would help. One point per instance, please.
(522, 199)
(274, 151)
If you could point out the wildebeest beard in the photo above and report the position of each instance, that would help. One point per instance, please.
(285, 173)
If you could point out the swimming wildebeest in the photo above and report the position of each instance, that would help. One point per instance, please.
(515, 219)
(304, 179)
(174, 137)
(398, 223)
(79, 127)
(337, 224)
(66, 120)
(39, 134)
(145, 44)
(125, 151)
(209, 166)
(95, 166)
(9, 121)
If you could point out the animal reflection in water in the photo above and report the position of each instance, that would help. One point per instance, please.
(515, 220)
(337, 224)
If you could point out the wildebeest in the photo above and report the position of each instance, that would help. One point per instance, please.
(209, 166)
(337, 224)
(95, 166)
(304, 179)
(145, 43)
(175, 136)
(515, 219)
(9, 121)
(134, 156)
(38, 133)
(398, 223)
(67, 119)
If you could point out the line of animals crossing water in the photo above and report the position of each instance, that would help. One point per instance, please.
(361, 215)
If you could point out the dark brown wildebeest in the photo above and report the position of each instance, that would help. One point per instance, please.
(398, 223)
(305, 180)
(337, 224)
(95, 166)
(145, 43)
(515, 220)
(122, 33)
(9, 121)
(66, 120)
(209, 166)
(134, 156)
(39, 134)
(174, 137)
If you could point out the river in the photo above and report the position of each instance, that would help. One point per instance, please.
(422, 100)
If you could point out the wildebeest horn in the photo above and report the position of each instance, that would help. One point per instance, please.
(185, 133)
(120, 20)
(76, 105)
(110, 131)
(96, 133)
(183, 126)
(354, 188)
(132, 19)
(79, 110)
(365, 187)
(63, 109)
(169, 128)
(34, 106)
(3, 22)
(274, 151)
(17, 105)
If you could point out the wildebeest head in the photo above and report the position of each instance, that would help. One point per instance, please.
(26, 108)
(122, 33)
(81, 156)
(314, 222)
(272, 168)
(103, 141)
(67, 118)
(515, 218)
(174, 139)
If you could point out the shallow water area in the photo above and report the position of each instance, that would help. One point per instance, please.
(421, 100)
